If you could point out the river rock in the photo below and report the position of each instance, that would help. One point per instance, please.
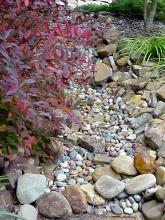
(124, 165)
(152, 210)
(160, 175)
(160, 194)
(140, 183)
(54, 205)
(102, 73)
(91, 195)
(155, 134)
(30, 187)
(116, 209)
(105, 170)
(76, 198)
(109, 187)
(28, 212)
(160, 108)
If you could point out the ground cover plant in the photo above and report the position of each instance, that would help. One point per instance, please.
(39, 58)
(146, 49)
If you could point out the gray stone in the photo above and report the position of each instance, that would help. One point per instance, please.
(73, 154)
(140, 183)
(54, 205)
(28, 212)
(152, 210)
(109, 187)
(137, 198)
(141, 120)
(160, 108)
(61, 177)
(116, 209)
(30, 187)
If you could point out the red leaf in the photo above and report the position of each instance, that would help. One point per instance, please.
(27, 34)
(26, 2)
(22, 105)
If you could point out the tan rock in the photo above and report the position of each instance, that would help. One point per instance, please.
(91, 196)
(76, 198)
(161, 92)
(102, 73)
(160, 194)
(122, 61)
(160, 175)
(105, 170)
(135, 100)
(107, 50)
(124, 165)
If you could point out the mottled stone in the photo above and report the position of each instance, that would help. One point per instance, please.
(76, 198)
(54, 205)
(91, 195)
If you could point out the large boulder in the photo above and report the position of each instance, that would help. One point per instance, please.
(30, 187)
(109, 187)
(76, 198)
(155, 134)
(54, 205)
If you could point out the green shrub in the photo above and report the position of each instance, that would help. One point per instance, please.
(127, 8)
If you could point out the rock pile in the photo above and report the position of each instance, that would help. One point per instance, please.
(114, 160)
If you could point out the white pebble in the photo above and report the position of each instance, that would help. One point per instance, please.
(79, 157)
(61, 177)
(128, 211)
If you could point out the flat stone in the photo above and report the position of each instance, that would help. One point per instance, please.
(102, 159)
(140, 183)
(91, 195)
(28, 212)
(54, 205)
(109, 187)
(30, 187)
(138, 84)
(105, 170)
(124, 165)
(152, 210)
(160, 175)
(116, 209)
(76, 197)
(160, 194)
(102, 73)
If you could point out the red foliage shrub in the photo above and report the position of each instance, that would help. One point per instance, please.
(39, 58)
